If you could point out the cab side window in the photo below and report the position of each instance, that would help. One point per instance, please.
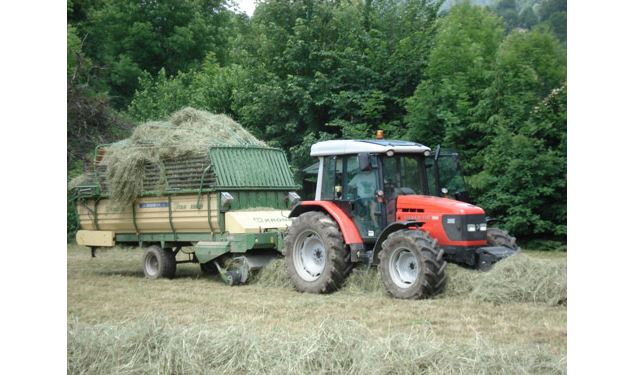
(332, 178)
(328, 178)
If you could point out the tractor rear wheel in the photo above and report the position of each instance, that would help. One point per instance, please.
(159, 263)
(412, 265)
(316, 258)
(499, 237)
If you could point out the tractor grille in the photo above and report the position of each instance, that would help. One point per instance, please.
(455, 227)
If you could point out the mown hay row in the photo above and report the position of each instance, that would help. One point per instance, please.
(519, 278)
(335, 347)
(274, 275)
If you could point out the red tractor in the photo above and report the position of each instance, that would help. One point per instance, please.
(394, 204)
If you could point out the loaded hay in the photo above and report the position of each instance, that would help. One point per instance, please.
(82, 179)
(186, 133)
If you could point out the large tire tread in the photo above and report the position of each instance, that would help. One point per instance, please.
(433, 278)
(166, 259)
(338, 265)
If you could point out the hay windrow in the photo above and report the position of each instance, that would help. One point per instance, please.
(273, 275)
(517, 279)
(363, 280)
(460, 281)
(188, 132)
(152, 346)
(521, 278)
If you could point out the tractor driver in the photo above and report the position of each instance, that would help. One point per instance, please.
(365, 184)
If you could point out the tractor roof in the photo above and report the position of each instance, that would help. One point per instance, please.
(380, 146)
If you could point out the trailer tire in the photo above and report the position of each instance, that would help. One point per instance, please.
(412, 265)
(499, 237)
(159, 263)
(316, 257)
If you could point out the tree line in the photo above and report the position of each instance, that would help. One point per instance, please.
(488, 81)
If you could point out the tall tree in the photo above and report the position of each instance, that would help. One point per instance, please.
(444, 107)
(127, 37)
(523, 177)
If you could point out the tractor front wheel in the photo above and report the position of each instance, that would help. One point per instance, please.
(412, 265)
(315, 255)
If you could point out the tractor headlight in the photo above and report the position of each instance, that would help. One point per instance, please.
(471, 227)
(483, 227)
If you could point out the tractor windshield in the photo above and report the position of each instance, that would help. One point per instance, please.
(402, 174)
(450, 176)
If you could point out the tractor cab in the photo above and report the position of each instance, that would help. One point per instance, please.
(364, 178)
(390, 203)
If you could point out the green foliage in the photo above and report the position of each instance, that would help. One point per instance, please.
(212, 87)
(508, 10)
(300, 154)
(490, 83)
(500, 102)
(528, 66)
(304, 67)
(524, 176)
(72, 221)
(130, 37)
(444, 108)
(526, 14)
(73, 48)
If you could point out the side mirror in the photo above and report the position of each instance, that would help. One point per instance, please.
(437, 152)
(364, 161)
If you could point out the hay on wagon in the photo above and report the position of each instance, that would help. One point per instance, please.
(187, 133)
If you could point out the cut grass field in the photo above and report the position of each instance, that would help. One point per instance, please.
(120, 322)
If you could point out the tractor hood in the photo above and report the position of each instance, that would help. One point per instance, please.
(453, 223)
(430, 204)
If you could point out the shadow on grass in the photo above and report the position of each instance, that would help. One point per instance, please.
(191, 275)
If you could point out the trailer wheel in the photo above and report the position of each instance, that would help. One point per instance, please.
(499, 237)
(159, 263)
(315, 255)
(412, 265)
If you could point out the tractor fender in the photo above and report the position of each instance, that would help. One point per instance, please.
(346, 224)
(391, 228)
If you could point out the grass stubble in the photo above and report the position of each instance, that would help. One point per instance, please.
(120, 322)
